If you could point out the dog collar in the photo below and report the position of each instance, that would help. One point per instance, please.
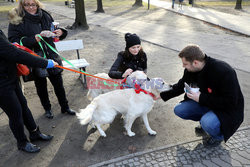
(123, 83)
(138, 89)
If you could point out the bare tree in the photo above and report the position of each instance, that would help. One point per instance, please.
(99, 7)
(138, 3)
(238, 4)
(80, 20)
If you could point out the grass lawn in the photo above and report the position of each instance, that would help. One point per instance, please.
(5, 9)
(105, 2)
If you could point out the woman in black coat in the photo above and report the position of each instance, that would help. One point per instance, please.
(130, 60)
(27, 21)
(12, 100)
(219, 103)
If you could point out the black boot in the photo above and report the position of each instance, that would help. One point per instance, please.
(37, 135)
(29, 147)
(49, 114)
(211, 142)
(199, 131)
(69, 111)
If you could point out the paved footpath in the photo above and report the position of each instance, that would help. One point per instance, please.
(236, 152)
(236, 23)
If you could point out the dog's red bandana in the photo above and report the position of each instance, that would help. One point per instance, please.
(138, 89)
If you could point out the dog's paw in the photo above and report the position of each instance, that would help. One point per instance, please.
(103, 134)
(152, 133)
(130, 134)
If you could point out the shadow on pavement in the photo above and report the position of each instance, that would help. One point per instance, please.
(84, 146)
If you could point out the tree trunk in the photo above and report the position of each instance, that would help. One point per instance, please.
(80, 20)
(138, 3)
(238, 4)
(99, 7)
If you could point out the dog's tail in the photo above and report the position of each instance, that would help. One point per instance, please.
(85, 115)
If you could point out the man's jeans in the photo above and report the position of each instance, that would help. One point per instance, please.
(191, 110)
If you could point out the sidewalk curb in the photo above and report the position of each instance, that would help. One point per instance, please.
(152, 150)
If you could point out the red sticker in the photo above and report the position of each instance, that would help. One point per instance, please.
(209, 90)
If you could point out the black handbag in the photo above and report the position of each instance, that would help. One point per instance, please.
(53, 56)
(55, 71)
(41, 72)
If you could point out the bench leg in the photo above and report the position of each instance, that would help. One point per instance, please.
(83, 79)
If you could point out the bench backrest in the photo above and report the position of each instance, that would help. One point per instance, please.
(69, 45)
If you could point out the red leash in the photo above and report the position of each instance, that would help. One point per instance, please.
(138, 88)
(85, 74)
(33, 53)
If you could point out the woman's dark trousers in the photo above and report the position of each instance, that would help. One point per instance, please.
(15, 106)
(42, 91)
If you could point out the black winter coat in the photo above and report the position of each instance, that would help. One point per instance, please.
(29, 27)
(220, 91)
(9, 56)
(122, 63)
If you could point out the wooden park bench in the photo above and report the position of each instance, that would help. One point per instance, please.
(80, 63)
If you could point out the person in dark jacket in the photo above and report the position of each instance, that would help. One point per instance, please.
(218, 104)
(12, 100)
(130, 60)
(27, 21)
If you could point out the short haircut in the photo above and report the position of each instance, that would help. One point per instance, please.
(192, 52)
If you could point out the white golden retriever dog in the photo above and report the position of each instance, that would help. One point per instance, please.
(96, 86)
(128, 102)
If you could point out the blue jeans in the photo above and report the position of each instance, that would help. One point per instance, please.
(191, 110)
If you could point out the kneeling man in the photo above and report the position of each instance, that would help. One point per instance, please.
(215, 98)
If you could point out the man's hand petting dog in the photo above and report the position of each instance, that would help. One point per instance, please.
(156, 97)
